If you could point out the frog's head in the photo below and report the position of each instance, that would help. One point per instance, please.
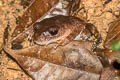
(58, 29)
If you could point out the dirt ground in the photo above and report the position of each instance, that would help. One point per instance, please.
(101, 13)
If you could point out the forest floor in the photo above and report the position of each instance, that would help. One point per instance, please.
(101, 13)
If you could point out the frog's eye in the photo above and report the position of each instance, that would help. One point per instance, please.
(46, 33)
(49, 30)
(53, 31)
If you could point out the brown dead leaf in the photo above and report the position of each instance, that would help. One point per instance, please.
(76, 60)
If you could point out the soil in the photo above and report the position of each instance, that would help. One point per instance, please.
(101, 13)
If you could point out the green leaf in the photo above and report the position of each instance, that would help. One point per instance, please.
(116, 46)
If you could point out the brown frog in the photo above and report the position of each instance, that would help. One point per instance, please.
(60, 29)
